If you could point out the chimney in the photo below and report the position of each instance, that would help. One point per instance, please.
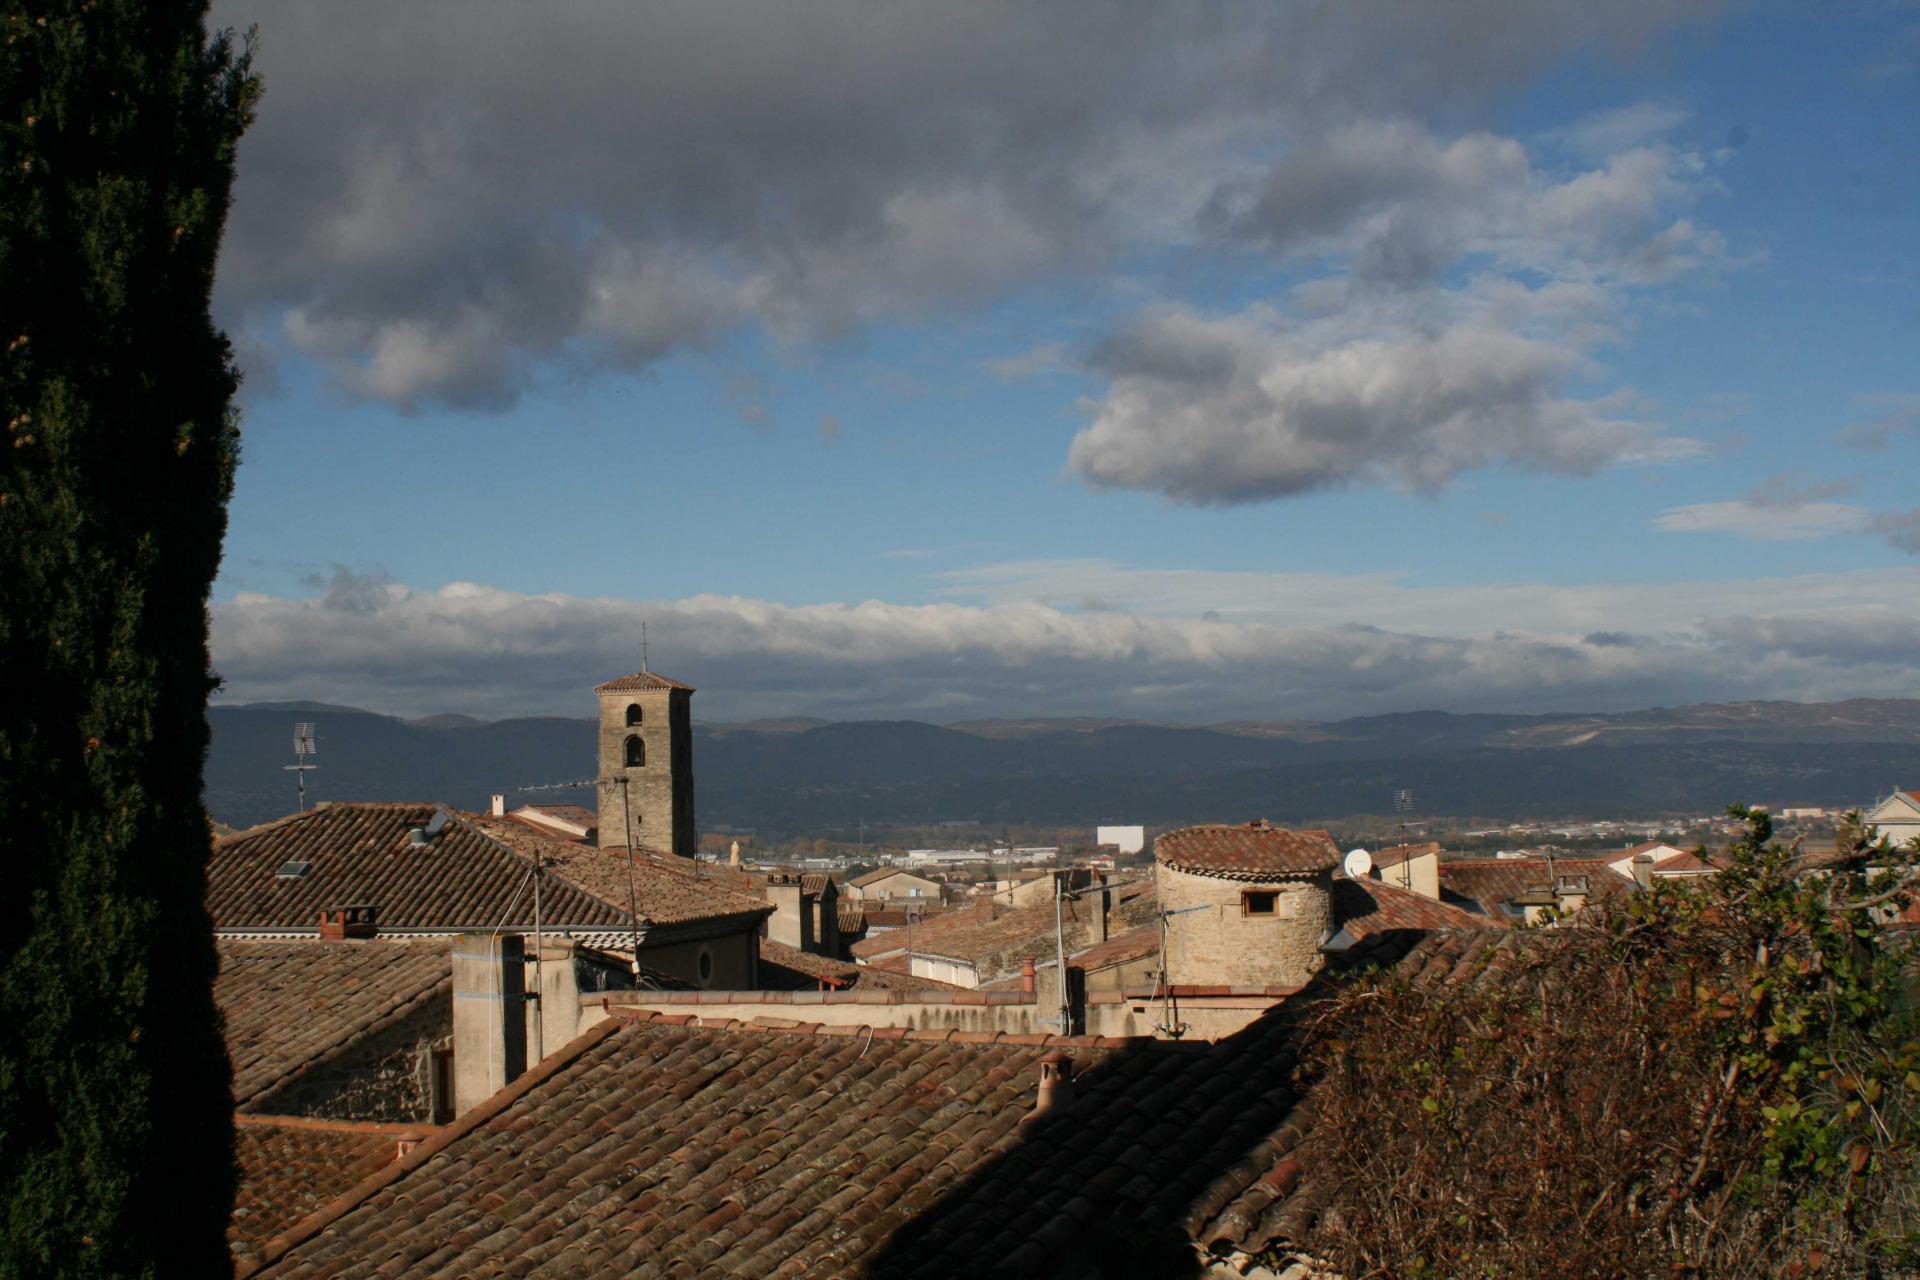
(489, 1016)
(1026, 976)
(417, 837)
(341, 923)
(499, 807)
(1643, 870)
(1102, 903)
(1056, 1085)
(985, 909)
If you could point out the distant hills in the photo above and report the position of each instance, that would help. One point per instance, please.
(803, 776)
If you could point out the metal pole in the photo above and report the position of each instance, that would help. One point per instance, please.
(1060, 949)
(539, 1017)
(633, 900)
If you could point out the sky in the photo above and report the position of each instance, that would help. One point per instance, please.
(1191, 362)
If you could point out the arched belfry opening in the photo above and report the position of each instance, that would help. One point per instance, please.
(646, 763)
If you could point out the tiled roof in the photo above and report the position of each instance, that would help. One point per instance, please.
(667, 890)
(875, 877)
(361, 853)
(640, 682)
(1368, 907)
(1492, 881)
(655, 1146)
(290, 1006)
(1247, 851)
(1404, 853)
(851, 916)
(289, 1168)
(1134, 944)
(994, 938)
(784, 968)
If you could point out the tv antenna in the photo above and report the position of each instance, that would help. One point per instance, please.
(304, 745)
(643, 648)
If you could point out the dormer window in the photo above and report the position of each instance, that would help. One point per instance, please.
(636, 751)
(633, 713)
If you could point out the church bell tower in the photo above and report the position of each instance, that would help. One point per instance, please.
(646, 763)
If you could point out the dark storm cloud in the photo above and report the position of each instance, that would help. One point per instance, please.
(440, 195)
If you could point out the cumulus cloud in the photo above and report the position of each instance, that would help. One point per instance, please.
(1467, 290)
(439, 199)
(1256, 406)
(488, 651)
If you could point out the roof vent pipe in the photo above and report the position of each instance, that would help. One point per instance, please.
(417, 837)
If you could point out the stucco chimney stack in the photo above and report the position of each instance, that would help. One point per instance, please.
(499, 807)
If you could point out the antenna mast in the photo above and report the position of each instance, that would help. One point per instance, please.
(304, 745)
(643, 648)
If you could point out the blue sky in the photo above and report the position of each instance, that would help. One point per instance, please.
(1256, 365)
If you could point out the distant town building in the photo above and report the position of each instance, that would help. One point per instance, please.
(1897, 817)
(1123, 839)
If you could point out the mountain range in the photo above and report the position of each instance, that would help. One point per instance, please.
(801, 776)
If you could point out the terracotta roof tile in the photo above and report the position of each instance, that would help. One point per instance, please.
(640, 682)
(784, 968)
(362, 853)
(994, 939)
(666, 889)
(1367, 907)
(1490, 882)
(1400, 853)
(290, 1006)
(1248, 851)
(289, 1168)
(763, 1152)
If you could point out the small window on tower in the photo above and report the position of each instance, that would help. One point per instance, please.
(633, 713)
(1256, 903)
(636, 752)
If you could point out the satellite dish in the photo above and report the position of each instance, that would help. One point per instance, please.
(1359, 862)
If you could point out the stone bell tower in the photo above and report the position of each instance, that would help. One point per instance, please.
(646, 743)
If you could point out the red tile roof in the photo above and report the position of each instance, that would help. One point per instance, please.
(640, 682)
(804, 1150)
(1252, 850)
(784, 968)
(293, 1006)
(1368, 907)
(362, 853)
(666, 889)
(289, 1168)
(1493, 881)
(994, 939)
(1404, 853)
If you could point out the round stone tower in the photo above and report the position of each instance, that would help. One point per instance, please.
(1266, 903)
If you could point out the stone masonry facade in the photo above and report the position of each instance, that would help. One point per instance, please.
(382, 1077)
(659, 786)
(1228, 944)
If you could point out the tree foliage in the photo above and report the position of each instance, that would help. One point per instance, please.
(118, 123)
(1716, 1077)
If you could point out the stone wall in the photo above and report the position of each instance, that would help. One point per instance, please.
(384, 1076)
(660, 791)
(1226, 945)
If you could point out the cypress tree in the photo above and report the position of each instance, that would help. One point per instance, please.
(118, 123)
